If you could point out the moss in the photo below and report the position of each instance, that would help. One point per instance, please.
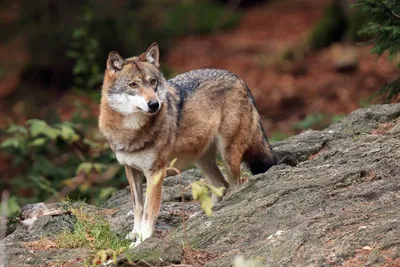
(148, 256)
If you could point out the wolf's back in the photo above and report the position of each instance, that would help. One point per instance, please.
(219, 85)
(189, 82)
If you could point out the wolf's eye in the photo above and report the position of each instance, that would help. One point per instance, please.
(133, 85)
(153, 82)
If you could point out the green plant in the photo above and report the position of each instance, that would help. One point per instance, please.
(337, 118)
(317, 121)
(310, 121)
(103, 254)
(277, 136)
(51, 161)
(385, 29)
(201, 192)
(83, 50)
(90, 231)
(358, 18)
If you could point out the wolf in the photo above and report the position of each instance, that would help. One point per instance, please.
(149, 121)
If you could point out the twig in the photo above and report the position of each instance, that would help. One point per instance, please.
(81, 178)
(367, 42)
(76, 181)
(394, 14)
(391, 11)
(77, 152)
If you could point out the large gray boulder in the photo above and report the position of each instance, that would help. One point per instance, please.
(335, 201)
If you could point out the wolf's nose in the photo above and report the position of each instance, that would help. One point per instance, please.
(153, 105)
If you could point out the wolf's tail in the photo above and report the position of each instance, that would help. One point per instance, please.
(259, 157)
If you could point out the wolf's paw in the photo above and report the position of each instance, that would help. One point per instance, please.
(132, 235)
(231, 190)
(135, 244)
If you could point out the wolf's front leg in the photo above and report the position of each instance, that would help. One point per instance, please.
(135, 179)
(152, 203)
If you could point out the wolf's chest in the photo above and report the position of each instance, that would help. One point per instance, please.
(139, 160)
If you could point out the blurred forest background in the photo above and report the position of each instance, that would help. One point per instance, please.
(304, 61)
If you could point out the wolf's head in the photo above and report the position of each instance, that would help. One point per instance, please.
(135, 84)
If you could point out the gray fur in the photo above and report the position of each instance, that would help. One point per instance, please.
(187, 83)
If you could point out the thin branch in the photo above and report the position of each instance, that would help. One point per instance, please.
(394, 14)
(367, 42)
(92, 178)
(77, 152)
(75, 182)
(391, 11)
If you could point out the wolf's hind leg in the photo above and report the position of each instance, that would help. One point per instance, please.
(232, 156)
(208, 165)
(135, 179)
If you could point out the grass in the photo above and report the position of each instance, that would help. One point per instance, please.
(93, 232)
(90, 231)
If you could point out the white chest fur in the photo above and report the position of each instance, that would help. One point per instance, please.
(135, 121)
(139, 160)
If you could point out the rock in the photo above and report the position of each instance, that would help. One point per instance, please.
(154, 252)
(333, 200)
(395, 129)
(296, 149)
(338, 193)
(172, 190)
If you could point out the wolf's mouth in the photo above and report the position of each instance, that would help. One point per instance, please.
(149, 112)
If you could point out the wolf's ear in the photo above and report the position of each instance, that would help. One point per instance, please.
(114, 62)
(152, 55)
